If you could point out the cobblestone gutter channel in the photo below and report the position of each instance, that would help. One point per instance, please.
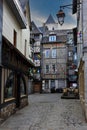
(47, 112)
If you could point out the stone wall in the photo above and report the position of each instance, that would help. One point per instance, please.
(8, 110)
(23, 102)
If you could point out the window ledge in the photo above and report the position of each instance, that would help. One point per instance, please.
(9, 99)
(23, 96)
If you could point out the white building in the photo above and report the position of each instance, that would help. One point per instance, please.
(14, 55)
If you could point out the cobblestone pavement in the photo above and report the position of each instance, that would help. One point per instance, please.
(47, 112)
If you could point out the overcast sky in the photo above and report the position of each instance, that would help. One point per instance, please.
(41, 9)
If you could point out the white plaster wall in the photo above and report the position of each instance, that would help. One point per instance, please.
(9, 24)
(26, 35)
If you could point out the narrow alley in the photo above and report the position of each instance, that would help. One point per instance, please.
(47, 112)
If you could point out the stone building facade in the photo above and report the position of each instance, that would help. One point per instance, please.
(53, 56)
(54, 63)
(58, 61)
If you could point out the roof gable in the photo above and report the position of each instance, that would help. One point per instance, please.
(50, 20)
(35, 29)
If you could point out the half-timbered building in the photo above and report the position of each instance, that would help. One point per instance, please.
(14, 55)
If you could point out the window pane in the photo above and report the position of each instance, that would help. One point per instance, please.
(9, 86)
(15, 38)
(47, 53)
(52, 38)
(53, 53)
(52, 83)
(47, 68)
(22, 86)
(53, 68)
(46, 84)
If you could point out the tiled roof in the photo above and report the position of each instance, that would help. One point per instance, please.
(50, 20)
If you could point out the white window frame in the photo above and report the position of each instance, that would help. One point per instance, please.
(54, 53)
(52, 38)
(47, 51)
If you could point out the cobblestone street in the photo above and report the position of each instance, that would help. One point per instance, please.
(47, 112)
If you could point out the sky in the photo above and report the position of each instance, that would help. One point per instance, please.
(41, 9)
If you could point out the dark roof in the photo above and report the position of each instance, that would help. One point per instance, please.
(43, 29)
(59, 39)
(35, 29)
(50, 20)
(57, 32)
(23, 3)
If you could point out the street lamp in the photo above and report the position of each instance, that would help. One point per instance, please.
(61, 15)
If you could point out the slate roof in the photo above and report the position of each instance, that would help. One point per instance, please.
(35, 29)
(43, 29)
(61, 36)
(59, 39)
(57, 32)
(50, 20)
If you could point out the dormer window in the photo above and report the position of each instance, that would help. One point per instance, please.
(52, 38)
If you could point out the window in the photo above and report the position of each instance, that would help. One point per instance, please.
(47, 53)
(52, 83)
(53, 53)
(53, 68)
(25, 48)
(52, 28)
(47, 84)
(47, 68)
(9, 87)
(52, 38)
(15, 38)
(70, 53)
